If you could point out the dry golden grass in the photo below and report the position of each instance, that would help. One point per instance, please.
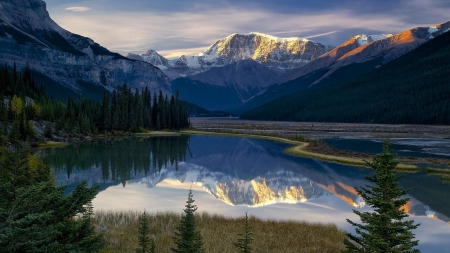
(445, 178)
(300, 150)
(438, 171)
(220, 232)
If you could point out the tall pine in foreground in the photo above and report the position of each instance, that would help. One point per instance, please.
(243, 243)
(187, 239)
(146, 244)
(384, 229)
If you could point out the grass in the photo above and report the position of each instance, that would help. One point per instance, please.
(445, 178)
(220, 232)
(438, 171)
(51, 144)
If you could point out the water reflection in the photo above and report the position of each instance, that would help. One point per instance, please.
(237, 171)
(115, 160)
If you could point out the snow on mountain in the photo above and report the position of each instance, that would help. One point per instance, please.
(363, 47)
(277, 53)
(363, 39)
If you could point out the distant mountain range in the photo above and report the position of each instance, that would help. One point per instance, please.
(279, 54)
(412, 89)
(237, 73)
(360, 54)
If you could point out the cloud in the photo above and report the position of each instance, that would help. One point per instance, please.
(77, 8)
(320, 34)
(184, 32)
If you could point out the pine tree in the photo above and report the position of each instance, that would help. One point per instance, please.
(37, 216)
(243, 243)
(383, 230)
(187, 239)
(146, 244)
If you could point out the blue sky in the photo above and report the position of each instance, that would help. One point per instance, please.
(176, 27)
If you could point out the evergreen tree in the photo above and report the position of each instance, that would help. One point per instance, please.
(106, 114)
(187, 239)
(243, 243)
(35, 215)
(146, 244)
(383, 230)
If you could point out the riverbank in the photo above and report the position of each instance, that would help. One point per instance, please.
(312, 149)
(317, 130)
(119, 230)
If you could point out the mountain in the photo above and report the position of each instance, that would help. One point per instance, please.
(279, 54)
(28, 34)
(413, 89)
(222, 88)
(358, 55)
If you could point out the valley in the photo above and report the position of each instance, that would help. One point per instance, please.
(261, 108)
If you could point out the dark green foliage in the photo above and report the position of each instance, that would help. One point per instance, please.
(187, 239)
(243, 243)
(413, 89)
(35, 215)
(120, 162)
(146, 244)
(126, 111)
(384, 229)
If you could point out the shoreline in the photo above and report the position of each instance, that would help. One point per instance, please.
(300, 149)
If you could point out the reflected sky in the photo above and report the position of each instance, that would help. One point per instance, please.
(231, 176)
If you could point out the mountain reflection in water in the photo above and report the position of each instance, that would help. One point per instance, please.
(237, 171)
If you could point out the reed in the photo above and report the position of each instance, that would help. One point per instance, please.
(219, 233)
(445, 179)
(438, 171)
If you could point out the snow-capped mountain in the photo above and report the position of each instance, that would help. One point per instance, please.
(359, 54)
(28, 34)
(277, 53)
(362, 48)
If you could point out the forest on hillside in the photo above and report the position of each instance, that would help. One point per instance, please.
(413, 89)
(23, 100)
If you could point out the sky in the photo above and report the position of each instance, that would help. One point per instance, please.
(177, 27)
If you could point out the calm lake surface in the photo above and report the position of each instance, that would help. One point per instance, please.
(231, 176)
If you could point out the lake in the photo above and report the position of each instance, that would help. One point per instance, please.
(234, 175)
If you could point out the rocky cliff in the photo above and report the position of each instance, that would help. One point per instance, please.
(28, 34)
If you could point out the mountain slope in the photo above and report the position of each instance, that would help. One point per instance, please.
(222, 88)
(360, 54)
(413, 89)
(28, 34)
(279, 54)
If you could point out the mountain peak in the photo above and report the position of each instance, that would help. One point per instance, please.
(277, 38)
(363, 39)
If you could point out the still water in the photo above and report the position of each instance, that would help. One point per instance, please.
(231, 176)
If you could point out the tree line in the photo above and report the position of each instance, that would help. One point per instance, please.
(22, 100)
(119, 159)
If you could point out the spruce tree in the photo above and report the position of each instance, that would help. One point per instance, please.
(384, 229)
(243, 243)
(187, 239)
(146, 244)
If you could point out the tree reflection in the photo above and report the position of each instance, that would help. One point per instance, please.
(120, 159)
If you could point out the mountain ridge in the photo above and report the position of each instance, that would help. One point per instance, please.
(279, 54)
(28, 34)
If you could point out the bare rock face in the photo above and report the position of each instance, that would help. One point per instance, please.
(279, 54)
(28, 34)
